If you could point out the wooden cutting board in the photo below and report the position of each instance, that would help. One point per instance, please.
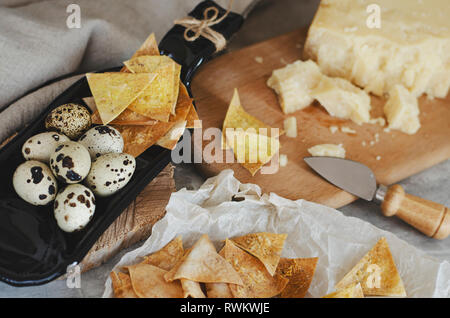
(401, 155)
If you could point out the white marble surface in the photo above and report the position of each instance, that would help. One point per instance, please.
(284, 16)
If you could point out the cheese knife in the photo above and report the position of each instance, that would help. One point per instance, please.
(430, 218)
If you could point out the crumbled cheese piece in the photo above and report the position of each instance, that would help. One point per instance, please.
(372, 143)
(333, 129)
(293, 84)
(402, 110)
(348, 130)
(290, 126)
(379, 120)
(283, 160)
(300, 83)
(327, 150)
(364, 143)
(342, 99)
(378, 158)
(259, 59)
(283, 61)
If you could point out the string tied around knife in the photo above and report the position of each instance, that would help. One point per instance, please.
(196, 28)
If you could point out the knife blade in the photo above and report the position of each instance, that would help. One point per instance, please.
(432, 219)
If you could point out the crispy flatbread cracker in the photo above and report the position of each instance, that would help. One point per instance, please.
(191, 289)
(149, 47)
(300, 272)
(114, 92)
(251, 139)
(177, 81)
(351, 291)
(237, 117)
(192, 119)
(127, 117)
(376, 272)
(168, 256)
(218, 290)
(170, 139)
(252, 150)
(137, 139)
(265, 246)
(258, 283)
(121, 284)
(204, 264)
(184, 104)
(158, 101)
(148, 282)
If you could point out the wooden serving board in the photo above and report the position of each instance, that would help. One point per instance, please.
(401, 155)
(136, 222)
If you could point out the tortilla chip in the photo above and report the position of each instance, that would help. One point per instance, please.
(258, 283)
(127, 117)
(121, 284)
(114, 92)
(160, 98)
(191, 289)
(265, 246)
(351, 291)
(148, 282)
(170, 139)
(177, 81)
(219, 290)
(192, 119)
(245, 127)
(184, 104)
(376, 272)
(149, 47)
(204, 264)
(168, 256)
(300, 272)
(137, 139)
(252, 150)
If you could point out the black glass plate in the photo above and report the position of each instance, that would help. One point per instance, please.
(33, 250)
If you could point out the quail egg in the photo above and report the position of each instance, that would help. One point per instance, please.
(101, 140)
(70, 162)
(74, 207)
(71, 120)
(41, 146)
(35, 183)
(110, 173)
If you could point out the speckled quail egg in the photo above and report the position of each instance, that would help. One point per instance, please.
(71, 120)
(101, 140)
(70, 162)
(110, 173)
(41, 146)
(35, 183)
(74, 207)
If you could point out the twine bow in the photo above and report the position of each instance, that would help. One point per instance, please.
(196, 28)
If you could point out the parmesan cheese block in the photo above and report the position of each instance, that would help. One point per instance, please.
(327, 150)
(402, 110)
(342, 99)
(377, 45)
(293, 84)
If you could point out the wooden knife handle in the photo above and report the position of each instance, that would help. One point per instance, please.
(430, 218)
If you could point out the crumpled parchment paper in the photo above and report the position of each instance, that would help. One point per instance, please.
(313, 231)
